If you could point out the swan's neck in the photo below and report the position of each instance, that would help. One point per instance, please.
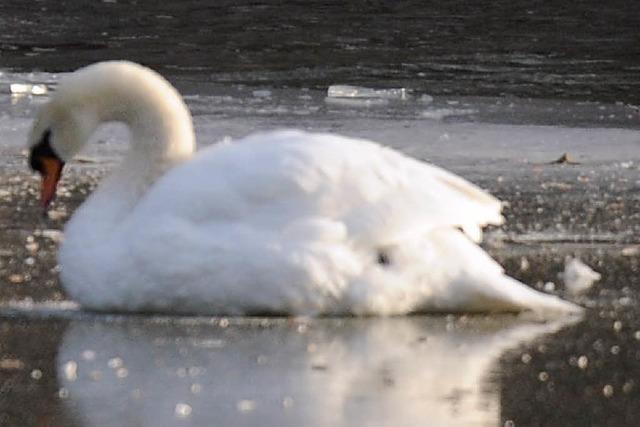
(160, 126)
(161, 136)
(159, 122)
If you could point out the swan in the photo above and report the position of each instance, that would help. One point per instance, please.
(282, 222)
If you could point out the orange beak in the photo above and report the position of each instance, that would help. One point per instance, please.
(51, 173)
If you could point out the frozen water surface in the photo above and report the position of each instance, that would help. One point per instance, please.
(497, 93)
(450, 371)
(325, 372)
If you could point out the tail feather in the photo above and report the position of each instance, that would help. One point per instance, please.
(472, 281)
(507, 294)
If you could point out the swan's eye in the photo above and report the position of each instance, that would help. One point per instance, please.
(41, 151)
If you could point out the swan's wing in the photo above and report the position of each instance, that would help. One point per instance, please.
(309, 223)
(276, 179)
(426, 198)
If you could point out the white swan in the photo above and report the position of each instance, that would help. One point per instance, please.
(281, 222)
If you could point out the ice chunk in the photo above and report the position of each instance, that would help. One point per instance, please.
(356, 102)
(347, 91)
(263, 93)
(442, 113)
(578, 277)
(426, 99)
(28, 89)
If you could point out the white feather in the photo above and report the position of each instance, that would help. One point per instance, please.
(279, 222)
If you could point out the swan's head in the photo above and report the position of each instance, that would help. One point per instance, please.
(58, 133)
(108, 91)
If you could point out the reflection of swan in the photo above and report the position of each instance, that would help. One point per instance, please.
(400, 372)
(284, 222)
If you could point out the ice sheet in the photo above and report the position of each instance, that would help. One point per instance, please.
(445, 129)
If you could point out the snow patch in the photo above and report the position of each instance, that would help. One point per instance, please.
(577, 276)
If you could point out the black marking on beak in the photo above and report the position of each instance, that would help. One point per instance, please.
(40, 151)
(45, 161)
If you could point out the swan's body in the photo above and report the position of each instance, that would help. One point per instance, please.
(280, 222)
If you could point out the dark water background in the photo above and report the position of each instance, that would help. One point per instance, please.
(584, 50)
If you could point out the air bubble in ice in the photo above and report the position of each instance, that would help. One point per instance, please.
(89, 355)
(583, 362)
(115, 362)
(617, 326)
(70, 370)
(182, 410)
(245, 405)
(287, 402)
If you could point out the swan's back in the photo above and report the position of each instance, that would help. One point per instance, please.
(275, 179)
(299, 223)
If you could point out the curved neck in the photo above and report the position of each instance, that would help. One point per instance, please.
(159, 121)
(160, 125)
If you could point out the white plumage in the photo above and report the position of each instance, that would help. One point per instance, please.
(284, 222)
